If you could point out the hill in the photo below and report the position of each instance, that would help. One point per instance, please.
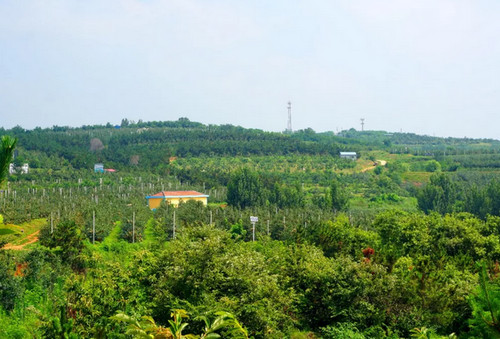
(404, 241)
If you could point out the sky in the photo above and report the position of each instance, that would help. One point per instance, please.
(427, 67)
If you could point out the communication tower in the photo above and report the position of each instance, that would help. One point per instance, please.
(289, 125)
(362, 124)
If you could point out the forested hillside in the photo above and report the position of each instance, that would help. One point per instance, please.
(403, 242)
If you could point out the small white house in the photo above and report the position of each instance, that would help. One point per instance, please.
(99, 168)
(24, 169)
(348, 155)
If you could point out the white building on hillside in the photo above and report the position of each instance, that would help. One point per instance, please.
(348, 155)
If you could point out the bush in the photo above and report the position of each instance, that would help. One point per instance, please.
(433, 166)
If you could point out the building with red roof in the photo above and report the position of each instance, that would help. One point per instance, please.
(175, 198)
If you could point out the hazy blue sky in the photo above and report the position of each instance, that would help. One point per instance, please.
(427, 66)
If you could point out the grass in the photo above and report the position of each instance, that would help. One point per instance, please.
(17, 234)
(5, 231)
(405, 203)
(417, 178)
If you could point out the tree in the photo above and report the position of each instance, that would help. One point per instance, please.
(433, 166)
(440, 195)
(245, 189)
(10, 286)
(6, 153)
(68, 241)
(485, 306)
(339, 197)
(287, 196)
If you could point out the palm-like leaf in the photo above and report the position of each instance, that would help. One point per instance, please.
(146, 328)
(6, 153)
(224, 320)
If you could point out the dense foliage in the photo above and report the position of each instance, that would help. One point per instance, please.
(402, 242)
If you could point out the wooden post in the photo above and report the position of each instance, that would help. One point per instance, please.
(268, 227)
(133, 227)
(93, 227)
(173, 230)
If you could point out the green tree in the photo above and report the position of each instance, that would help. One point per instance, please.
(245, 189)
(486, 307)
(10, 286)
(67, 240)
(433, 166)
(339, 198)
(440, 195)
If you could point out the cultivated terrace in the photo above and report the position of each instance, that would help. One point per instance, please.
(402, 242)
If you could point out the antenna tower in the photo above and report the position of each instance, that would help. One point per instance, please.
(362, 124)
(289, 125)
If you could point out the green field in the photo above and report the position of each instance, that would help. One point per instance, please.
(20, 234)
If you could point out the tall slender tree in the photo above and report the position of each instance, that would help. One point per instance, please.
(339, 198)
(245, 189)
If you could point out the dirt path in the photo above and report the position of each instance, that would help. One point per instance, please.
(33, 237)
(377, 162)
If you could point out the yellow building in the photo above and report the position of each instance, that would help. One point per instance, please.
(175, 197)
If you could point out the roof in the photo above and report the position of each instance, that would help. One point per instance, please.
(177, 194)
(347, 153)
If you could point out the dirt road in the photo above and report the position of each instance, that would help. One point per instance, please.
(377, 162)
(30, 239)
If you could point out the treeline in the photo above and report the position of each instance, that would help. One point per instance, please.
(146, 145)
(150, 145)
(460, 193)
